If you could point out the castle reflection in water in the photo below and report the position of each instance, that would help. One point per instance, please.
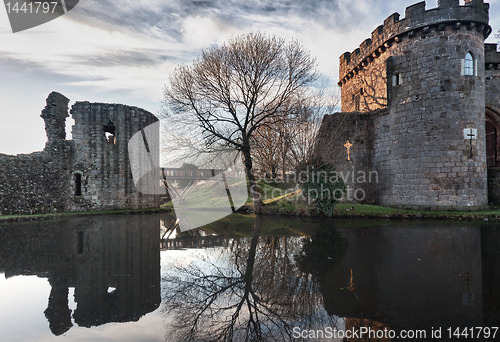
(417, 276)
(412, 275)
(112, 262)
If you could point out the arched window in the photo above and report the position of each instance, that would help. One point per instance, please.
(468, 65)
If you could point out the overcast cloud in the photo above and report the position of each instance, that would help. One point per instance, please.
(123, 51)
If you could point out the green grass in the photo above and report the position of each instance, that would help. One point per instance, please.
(208, 195)
(364, 208)
(13, 218)
(212, 195)
(299, 206)
(359, 210)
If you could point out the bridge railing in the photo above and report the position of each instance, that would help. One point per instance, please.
(194, 174)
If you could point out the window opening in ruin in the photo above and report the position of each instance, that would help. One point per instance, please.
(396, 80)
(361, 91)
(80, 243)
(468, 65)
(78, 184)
(109, 132)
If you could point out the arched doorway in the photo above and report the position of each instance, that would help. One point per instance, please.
(492, 128)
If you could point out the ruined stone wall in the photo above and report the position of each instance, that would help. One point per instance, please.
(416, 66)
(54, 114)
(32, 183)
(103, 163)
(99, 166)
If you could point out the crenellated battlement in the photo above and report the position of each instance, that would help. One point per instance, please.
(448, 15)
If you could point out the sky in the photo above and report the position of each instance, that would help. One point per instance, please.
(122, 51)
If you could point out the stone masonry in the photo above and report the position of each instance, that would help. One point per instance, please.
(90, 172)
(421, 83)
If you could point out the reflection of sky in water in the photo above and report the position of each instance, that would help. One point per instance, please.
(24, 299)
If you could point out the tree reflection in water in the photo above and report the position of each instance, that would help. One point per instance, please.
(251, 291)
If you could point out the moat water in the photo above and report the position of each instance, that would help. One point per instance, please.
(132, 278)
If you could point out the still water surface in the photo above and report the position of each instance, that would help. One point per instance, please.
(130, 278)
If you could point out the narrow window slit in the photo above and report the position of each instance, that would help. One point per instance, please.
(78, 184)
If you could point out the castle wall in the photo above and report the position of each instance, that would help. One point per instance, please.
(104, 166)
(417, 20)
(413, 67)
(492, 102)
(492, 73)
(429, 110)
(369, 89)
(31, 184)
(359, 176)
(47, 181)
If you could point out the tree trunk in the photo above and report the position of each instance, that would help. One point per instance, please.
(252, 184)
(273, 171)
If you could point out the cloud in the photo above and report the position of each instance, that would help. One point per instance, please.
(167, 16)
(123, 51)
(150, 32)
(125, 58)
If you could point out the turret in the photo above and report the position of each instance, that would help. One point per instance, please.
(418, 20)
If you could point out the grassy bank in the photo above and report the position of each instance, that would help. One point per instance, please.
(348, 210)
(55, 216)
(292, 204)
(279, 202)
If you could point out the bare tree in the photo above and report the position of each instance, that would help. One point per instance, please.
(291, 143)
(231, 91)
(270, 146)
(304, 132)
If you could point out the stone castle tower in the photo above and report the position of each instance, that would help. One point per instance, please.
(416, 101)
(101, 171)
